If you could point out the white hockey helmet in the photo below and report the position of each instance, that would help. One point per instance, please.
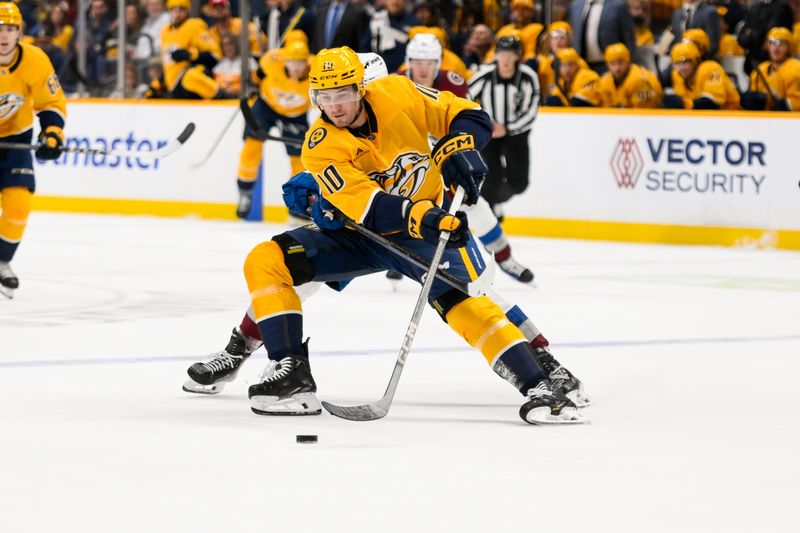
(424, 46)
(374, 66)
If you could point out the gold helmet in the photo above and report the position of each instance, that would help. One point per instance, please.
(685, 51)
(10, 15)
(295, 51)
(560, 27)
(568, 55)
(333, 68)
(780, 34)
(183, 4)
(615, 52)
(699, 38)
(295, 35)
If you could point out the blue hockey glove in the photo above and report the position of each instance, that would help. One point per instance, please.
(324, 214)
(460, 164)
(296, 192)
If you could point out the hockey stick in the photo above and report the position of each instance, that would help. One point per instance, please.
(772, 95)
(164, 151)
(379, 409)
(256, 129)
(213, 147)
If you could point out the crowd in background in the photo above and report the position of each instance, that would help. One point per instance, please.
(578, 58)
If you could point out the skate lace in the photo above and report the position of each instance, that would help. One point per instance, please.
(222, 361)
(511, 266)
(542, 390)
(277, 371)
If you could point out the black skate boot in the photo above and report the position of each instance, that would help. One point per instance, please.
(245, 203)
(210, 377)
(548, 406)
(563, 380)
(516, 270)
(287, 388)
(8, 280)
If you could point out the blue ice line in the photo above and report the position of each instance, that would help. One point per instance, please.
(382, 351)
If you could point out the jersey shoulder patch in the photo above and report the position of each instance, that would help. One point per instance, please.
(455, 78)
(316, 137)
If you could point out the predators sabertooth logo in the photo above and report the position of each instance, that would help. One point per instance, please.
(405, 176)
(316, 137)
(10, 104)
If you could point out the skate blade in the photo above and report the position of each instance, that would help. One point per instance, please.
(196, 388)
(8, 293)
(297, 405)
(541, 416)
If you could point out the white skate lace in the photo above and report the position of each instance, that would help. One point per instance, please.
(511, 266)
(540, 391)
(222, 361)
(276, 371)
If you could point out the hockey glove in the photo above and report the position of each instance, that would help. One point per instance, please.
(424, 220)
(182, 54)
(781, 104)
(673, 101)
(51, 141)
(324, 214)
(460, 164)
(296, 192)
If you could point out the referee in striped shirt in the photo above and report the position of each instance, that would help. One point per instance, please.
(509, 92)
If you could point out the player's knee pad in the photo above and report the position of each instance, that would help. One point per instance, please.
(250, 159)
(445, 302)
(16, 206)
(484, 326)
(196, 81)
(753, 101)
(300, 267)
(297, 164)
(270, 282)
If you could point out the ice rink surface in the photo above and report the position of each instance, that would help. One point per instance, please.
(692, 355)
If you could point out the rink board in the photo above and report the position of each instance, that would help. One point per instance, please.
(725, 178)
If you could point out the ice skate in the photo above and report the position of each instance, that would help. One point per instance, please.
(8, 280)
(210, 377)
(563, 380)
(548, 406)
(516, 270)
(245, 204)
(287, 388)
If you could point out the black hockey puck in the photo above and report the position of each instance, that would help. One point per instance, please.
(305, 439)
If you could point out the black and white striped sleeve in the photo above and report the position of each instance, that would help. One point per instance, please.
(525, 98)
(480, 91)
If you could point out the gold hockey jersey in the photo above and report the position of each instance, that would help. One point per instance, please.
(192, 35)
(547, 75)
(639, 89)
(29, 85)
(395, 159)
(709, 80)
(585, 85)
(235, 28)
(284, 95)
(783, 81)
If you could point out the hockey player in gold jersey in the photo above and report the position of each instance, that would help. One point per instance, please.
(28, 86)
(188, 53)
(576, 86)
(283, 102)
(559, 37)
(775, 85)
(371, 161)
(220, 11)
(698, 84)
(625, 84)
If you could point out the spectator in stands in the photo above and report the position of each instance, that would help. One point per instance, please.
(157, 18)
(697, 14)
(133, 89)
(428, 13)
(625, 84)
(576, 85)
(509, 92)
(285, 16)
(698, 84)
(522, 23)
(224, 22)
(761, 16)
(598, 24)
(98, 22)
(389, 29)
(775, 85)
(559, 37)
(56, 35)
(228, 72)
(477, 46)
(341, 23)
(640, 12)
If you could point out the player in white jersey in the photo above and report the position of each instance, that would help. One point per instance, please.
(210, 377)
